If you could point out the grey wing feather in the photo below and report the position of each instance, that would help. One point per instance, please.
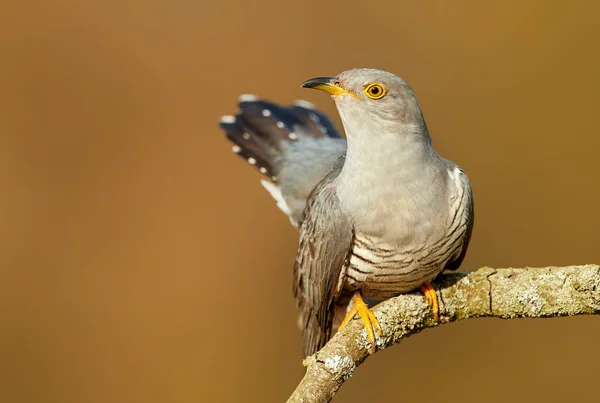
(325, 243)
(469, 219)
(305, 164)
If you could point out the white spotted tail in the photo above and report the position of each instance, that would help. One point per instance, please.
(294, 147)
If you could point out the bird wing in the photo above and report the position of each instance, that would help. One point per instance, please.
(325, 243)
(468, 217)
(304, 165)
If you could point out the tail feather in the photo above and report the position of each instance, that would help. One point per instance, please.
(314, 121)
(247, 146)
(271, 122)
(260, 127)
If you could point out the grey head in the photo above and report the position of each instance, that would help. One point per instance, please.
(389, 156)
(374, 102)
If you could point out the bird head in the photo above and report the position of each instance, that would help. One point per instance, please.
(371, 100)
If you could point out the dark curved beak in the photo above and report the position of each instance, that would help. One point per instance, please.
(318, 82)
(326, 84)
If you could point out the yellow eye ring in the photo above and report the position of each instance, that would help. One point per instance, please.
(375, 91)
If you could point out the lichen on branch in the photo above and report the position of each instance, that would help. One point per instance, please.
(502, 293)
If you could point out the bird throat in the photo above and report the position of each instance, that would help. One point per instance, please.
(385, 181)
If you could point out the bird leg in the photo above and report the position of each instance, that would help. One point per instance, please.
(368, 318)
(431, 296)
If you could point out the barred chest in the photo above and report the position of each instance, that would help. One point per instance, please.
(382, 266)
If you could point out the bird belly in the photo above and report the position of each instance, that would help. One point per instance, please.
(382, 270)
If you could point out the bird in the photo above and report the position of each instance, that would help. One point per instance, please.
(379, 211)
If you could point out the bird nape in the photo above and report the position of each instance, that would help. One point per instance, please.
(379, 213)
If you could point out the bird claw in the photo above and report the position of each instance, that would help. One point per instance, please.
(368, 318)
(429, 292)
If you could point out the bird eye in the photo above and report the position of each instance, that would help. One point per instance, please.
(375, 91)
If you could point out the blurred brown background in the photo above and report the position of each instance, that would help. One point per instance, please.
(141, 261)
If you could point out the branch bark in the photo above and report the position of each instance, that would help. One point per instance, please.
(501, 293)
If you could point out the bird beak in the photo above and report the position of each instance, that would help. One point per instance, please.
(326, 84)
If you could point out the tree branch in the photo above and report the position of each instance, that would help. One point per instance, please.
(501, 293)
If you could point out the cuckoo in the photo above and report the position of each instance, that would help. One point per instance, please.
(379, 212)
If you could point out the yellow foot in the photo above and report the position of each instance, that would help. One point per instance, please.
(368, 318)
(431, 296)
